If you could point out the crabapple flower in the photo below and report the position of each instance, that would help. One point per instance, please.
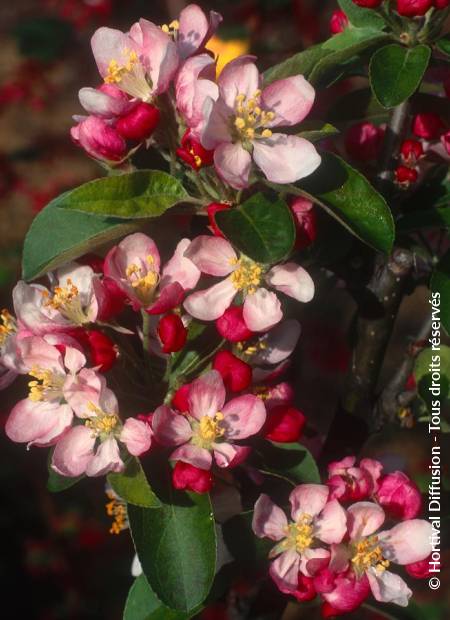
(427, 125)
(192, 30)
(261, 309)
(209, 428)
(370, 554)
(10, 358)
(399, 496)
(350, 483)
(135, 265)
(187, 477)
(172, 333)
(73, 301)
(137, 436)
(99, 139)
(139, 123)
(239, 126)
(107, 101)
(300, 549)
(231, 325)
(338, 21)
(192, 152)
(236, 374)
(305, 220)
(413, 8)
(46, 414)
(284, 424)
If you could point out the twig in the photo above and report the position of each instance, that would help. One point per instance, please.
(392, 142)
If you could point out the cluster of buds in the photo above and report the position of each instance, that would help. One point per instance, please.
(407, 8)
(343, 537)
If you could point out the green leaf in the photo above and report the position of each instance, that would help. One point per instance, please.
(396, 72)
(291, 461)
(443, 45)
(133, 487)
(57, 236)
(440, 283)
(57, 483)
(250, 551)
(176, 546)
(348, 196)
(361, 17)
(315, 135)
(262, 228)
(421, 220)
(301, 63)
(141, 194)
(143, 604)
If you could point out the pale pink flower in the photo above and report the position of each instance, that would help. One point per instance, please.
(315, 522)
(210, 427)
(141, 63)
(193, 29)
(371, 554)
(136, 435)
(262, 309)
(350, 483)
(10, 359)
(107, 101)
(46, 414)
(239, 126)
(135, 265)
(71, 302)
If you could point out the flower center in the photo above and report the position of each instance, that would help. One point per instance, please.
(251, 121)
(143, 282)
(8, 326)
(116, 72)
(117, 509)
(247, 275)
(172, 28)
(102, 423)
(46, 386)
(260, 345)
(301, 533)
(208, 430)
(130, 77)
(66, 300)
(368, 553)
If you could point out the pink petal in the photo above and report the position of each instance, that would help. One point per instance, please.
(198, 457)
(215, 127)
(233, 164)
(285, 159)
(6, 376)
(40, 423)
(74, 360)
(194, 83)
(262, 310)
(229, 454)
(364, 518)
(292, 280)
(106, 459)
(388, 587)
(169, 297)
(94, 101)
(407, 542)
(109, 44)
(206, 395)
(308, 499)
(137, 436)
(83, 389)
(210, 304)
(32, 314)
(284, 571)
(279, 343)
(73, 452)
(340, 557)
(180, 268)
(170, 428)
(291, 99)
(349, 592)
(239, 77)
(192, 31)
(269, 521)
(212, 255)
(243, 416)
(313, 561)
(331, 525)
(37, 353)
(159, 56)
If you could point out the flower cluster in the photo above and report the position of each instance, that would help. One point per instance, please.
(341, 541)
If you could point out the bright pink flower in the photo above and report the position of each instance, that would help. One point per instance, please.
(186, 477)
(99, 139)
(195, 89)
(212, 209)
(46, 414)
(135, 265)
(172, 333)
(236, 374)
(338, 22)
(370, 553)
(231, 325)
(399, 496)
(305, 222)
(363, 141)
(284, 424)
(107, 101)
(210, 427)
(350, 483)
(261, 309)
(141, 63)
(193, 153)
(345, 593)
(139, 123)
(413, 8)
(240, 125)
(427, 125)
(315, 522)
(193, 29)
(72, 301)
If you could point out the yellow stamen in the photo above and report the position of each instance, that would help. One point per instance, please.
(46, 386)
(367, 554)
(210, 427)
(116, 72)
(8, 326)
(247, 276)
(300, 535)
(143, 283)
(250, 122)
(101, 423)
(117, 509)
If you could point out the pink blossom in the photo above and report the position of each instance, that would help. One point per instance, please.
(399, 496)
(350, 483)
(193, 29)
(209, 428)
(99, 139)
(240, 123)
(137, 436)
(107, 101)
(370, 554)
(135, 265)
(262, 309)
(315, 522)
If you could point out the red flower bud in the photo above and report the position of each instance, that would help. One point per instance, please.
(338, 22)
(441, 4)
(306, 590)
(363, 141)
(187, 477)
(140, 123)
(405, 176)
(172, 333)
(180, 398)
(93, 261)
(231, 325)
(368, 4)
(102, 350)
(284, 424)
(112, 301)
(411, 151)
(236, 374)
(445, 139)
(193, 153)
(212, 209)
(399, 496)
(419, 570)
(413, 8)
(305, 219)
(427, 125)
